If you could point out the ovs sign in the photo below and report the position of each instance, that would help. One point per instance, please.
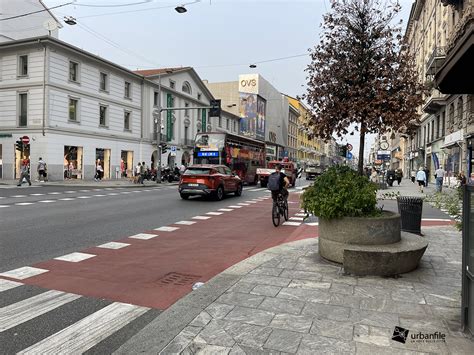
(248, 83)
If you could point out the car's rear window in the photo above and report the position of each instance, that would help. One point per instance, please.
(197, 171)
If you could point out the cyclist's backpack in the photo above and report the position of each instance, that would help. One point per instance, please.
(274, 182)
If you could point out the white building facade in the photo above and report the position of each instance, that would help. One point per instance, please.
(74, 107)
(182, 89)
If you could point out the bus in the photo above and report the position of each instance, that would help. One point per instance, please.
(242, 155)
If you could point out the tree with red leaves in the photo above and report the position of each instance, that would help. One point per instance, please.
(361, 76)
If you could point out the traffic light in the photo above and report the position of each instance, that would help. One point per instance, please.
(19, 145)
(215, 110)
(164, 148)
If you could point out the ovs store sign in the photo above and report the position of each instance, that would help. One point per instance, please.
(248, 83)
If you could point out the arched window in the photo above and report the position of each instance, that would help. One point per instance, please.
(186, 88)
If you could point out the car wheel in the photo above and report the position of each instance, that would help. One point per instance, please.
(219, 193)
(238, 192)
(184, 196)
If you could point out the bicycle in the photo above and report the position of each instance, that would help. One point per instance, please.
(280, 208)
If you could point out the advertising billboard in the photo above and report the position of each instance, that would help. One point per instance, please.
(248, 114)
(261, 113)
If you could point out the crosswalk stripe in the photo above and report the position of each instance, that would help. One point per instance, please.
(23, 311)
(23, 272)
(256, 189)
(89, 331)
(7, 284)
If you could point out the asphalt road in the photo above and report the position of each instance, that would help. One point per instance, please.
(44, 230)
(38, 224)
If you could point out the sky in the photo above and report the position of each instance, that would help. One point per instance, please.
(219, 38)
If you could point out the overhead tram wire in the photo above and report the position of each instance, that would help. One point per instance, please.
(35, 12)
(133, 11)
(114, 44)
(114, 5)
(246, 64)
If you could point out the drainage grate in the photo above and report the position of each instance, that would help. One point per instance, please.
(174, 278)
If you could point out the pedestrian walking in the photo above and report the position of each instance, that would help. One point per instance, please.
(70, 169)
(24, 172)
(421, 178)
(182, 168)
(427, 173)
(399, 175)
(99, 171)
(462, 179)
(41, 169)
(374, 177)
(413, 176)
(142, 173)
(439, 176)
(137, 173)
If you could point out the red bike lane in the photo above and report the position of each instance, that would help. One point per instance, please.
(157, 272)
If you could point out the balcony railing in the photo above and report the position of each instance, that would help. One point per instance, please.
(436, 60)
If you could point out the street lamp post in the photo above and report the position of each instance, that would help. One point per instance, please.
(157, 119)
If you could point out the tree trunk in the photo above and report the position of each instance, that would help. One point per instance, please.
(361, 149)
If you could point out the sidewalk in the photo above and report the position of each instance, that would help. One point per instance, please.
(87, 183)
(407, 188)
(287, 299)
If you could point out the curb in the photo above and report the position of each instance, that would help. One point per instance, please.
(167, 325)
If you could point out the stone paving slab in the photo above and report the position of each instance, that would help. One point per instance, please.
(288, 300)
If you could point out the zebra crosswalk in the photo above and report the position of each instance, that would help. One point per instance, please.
(40, 321)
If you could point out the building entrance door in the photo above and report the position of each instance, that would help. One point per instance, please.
(127, 159)
(104, 156)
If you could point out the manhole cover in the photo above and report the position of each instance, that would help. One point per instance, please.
(177, 279)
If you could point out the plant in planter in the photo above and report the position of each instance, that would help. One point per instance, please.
(353, 231)
(341, 192)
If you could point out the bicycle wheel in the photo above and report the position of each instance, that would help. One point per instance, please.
(285, 210)
(275, 215)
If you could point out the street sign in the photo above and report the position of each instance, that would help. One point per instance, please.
(349, 147)
(173, 148)
(25, 139)
(349, 155)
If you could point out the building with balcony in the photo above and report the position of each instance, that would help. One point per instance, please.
(445, 116)
(79, 109)
(182, 89)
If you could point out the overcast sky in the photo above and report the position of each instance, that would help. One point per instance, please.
(219, 38)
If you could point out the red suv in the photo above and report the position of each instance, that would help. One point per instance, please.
(209, 180)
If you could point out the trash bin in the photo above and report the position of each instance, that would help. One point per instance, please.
(410, 209)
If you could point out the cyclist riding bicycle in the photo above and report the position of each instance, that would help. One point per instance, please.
(278, 183)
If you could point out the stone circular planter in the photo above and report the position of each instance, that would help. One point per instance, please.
(337, 234)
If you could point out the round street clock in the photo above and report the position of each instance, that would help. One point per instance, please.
(384, 145)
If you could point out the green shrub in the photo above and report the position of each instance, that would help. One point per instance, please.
(341, 192)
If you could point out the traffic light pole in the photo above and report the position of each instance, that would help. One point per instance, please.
(157, 119)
